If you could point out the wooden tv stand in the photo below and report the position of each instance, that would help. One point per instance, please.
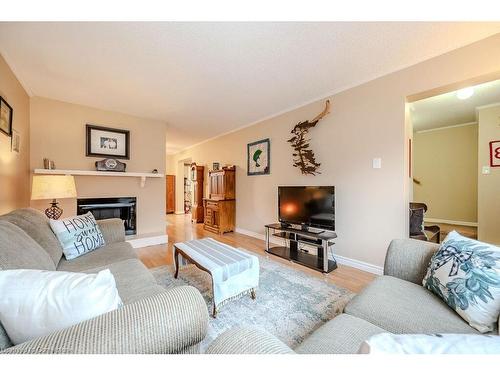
(295, 237)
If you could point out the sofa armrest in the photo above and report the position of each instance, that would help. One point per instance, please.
(167, 322)
(408, 259)
(113, 230)
(247, 341)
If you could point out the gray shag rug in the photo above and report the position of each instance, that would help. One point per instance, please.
(290, 304)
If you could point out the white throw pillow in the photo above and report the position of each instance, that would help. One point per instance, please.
(78, 235)
(34, 303)
(388, 343)
(465, 273)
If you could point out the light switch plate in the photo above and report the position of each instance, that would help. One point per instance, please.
(486, 170)
(377, 163)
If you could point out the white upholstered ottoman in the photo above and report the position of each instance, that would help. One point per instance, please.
(234, 272)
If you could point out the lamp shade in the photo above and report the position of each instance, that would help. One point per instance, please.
(52, 187)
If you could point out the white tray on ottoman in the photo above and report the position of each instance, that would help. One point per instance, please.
(234, 272)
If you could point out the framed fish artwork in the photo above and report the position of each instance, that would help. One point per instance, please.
(259, 157)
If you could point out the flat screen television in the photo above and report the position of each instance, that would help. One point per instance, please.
(308, 206)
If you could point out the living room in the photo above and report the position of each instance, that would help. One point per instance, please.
(249, 188)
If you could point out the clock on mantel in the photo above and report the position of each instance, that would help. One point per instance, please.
(110, 165)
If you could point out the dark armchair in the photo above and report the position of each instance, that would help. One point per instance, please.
(418, 230)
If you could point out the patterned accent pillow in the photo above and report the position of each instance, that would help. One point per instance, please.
(78, 235)
(465, 273)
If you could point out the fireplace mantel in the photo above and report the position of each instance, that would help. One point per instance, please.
(76, 172)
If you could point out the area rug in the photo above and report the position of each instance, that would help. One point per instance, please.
(290, 304)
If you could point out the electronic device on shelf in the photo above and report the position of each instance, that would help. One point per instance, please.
(311, 207)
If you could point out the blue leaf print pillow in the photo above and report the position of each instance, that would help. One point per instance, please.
(465, 273)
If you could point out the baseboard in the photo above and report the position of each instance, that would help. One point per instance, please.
(453, 222)
(144, 240)
(360, 265)
(262, 237)
(179, 212)
(371, 268)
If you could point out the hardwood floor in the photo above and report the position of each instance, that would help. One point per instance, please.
(180, 228)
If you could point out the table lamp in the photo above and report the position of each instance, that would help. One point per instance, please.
(53, 187)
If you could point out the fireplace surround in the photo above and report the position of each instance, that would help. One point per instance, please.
(124, 208)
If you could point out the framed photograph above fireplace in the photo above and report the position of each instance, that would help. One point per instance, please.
(103, 141)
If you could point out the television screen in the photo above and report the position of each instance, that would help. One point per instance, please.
(312, 206)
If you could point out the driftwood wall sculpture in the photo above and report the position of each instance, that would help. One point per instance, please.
(303, 156)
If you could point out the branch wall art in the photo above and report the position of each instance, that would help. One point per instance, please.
(303, 156)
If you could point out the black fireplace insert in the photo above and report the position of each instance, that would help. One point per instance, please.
(107, 208)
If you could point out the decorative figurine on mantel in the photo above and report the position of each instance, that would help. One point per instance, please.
(303, 157)
(110, 165)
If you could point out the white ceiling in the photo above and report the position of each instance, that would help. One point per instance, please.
(448, 110)
(205, 79)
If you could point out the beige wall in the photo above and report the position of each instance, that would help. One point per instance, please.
(367, 121)
(14, 167)
(58, 133)
(171, 168)
(445, 163)
(488, 184)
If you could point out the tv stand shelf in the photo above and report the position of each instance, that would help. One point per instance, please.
(322, 241)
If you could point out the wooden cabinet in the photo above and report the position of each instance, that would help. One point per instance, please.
(221, 184)
(170, 199)
(197, 177)
(220, 207)
(219, 215)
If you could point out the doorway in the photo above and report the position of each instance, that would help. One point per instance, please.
(170, 199)
(452, 175)
(188, 189)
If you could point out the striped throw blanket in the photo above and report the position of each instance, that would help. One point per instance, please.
(234, 271)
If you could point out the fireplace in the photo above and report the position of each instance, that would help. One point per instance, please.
(107, 208)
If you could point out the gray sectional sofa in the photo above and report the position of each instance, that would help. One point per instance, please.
(395, 302)
(152, 320)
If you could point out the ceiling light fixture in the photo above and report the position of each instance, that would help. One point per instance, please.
(465, 93)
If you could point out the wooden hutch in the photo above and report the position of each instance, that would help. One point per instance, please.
(197, 177)
(220, 206)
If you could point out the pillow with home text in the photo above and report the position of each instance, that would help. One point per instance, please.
(78, 235)
(465, 273)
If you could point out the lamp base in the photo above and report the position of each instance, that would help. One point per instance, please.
(54, 211)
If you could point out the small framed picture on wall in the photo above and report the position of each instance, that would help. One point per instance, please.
(258, 157)
(495, 153)
(107, 142)
(15, 142)
(5, 117)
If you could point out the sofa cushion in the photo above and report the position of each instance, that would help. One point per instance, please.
(133, 280)
(36, 225)
(18, 250)
(400, 306)
(341, 335)
(101, 257)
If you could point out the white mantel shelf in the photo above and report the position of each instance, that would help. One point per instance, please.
(76, 172)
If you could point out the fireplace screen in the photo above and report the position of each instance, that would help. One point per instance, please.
(107, 208)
